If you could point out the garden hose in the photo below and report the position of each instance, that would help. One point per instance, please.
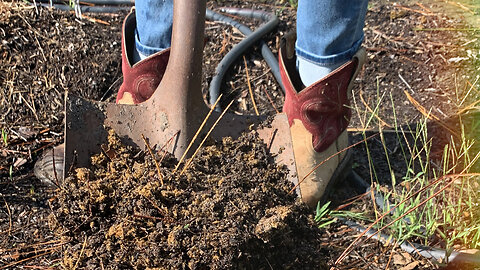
(240, 48)
(86, 9)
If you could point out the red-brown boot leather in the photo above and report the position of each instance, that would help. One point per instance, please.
(318, 116)
(141, 79)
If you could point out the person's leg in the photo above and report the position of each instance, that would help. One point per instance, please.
(329, 33)
(146, 38)
(154, 27)
(318, 67)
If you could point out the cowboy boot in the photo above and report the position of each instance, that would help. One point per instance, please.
(139, 83)
(142, 78)
(318, 116)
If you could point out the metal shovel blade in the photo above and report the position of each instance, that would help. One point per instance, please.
(175, 110)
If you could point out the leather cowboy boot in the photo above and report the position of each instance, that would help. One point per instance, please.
(140, 81)
(142, 78)
(318, 116)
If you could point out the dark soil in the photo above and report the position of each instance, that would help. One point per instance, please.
(230, 209)
(224, 212)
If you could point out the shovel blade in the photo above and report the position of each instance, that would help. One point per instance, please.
(84, 131)
(87, 123)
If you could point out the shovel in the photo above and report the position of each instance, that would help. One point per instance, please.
(175, 111)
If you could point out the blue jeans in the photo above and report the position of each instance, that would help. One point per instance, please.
(154, 25)
(328, 31)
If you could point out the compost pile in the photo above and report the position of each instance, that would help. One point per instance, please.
(230, 209)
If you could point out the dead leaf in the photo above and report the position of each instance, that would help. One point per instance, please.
(402, 258)
(410, 266)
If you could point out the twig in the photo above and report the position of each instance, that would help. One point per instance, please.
(30, 107)
(34, 246)
(9, 216)
(38, 267)
(472, 86)
(26, 259)
(92, 19)
(461, 6)
(155, 205)
(81, 253)
(374, 129)
(447, 29)
(15, 151)
(469, 107)
(423, 7)
(413, 10)
(24, 254)
(225, 42)
(377, 49)
(351, 201)
(405, 82)
(147, 217)
(250, 87)
(159, 172)
(430, 116)
(391, 255)
(206, 136)
(270, 99)
(198, 132)
(110, 88)
(374, 114)
(165, 146)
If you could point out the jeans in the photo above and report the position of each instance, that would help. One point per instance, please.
(154, 25)
(328, 31)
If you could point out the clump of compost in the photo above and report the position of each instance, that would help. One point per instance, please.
(231, 208)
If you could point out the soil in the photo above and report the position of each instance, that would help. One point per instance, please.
(230, 210)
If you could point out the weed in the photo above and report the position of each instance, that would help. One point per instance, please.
(425, 203)
(324, 216)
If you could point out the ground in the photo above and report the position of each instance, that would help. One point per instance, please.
(46, 52)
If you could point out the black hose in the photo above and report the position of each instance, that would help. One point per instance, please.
(86, 9)
(239, 49)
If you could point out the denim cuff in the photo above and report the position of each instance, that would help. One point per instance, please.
(143, 49)
(329, 59)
